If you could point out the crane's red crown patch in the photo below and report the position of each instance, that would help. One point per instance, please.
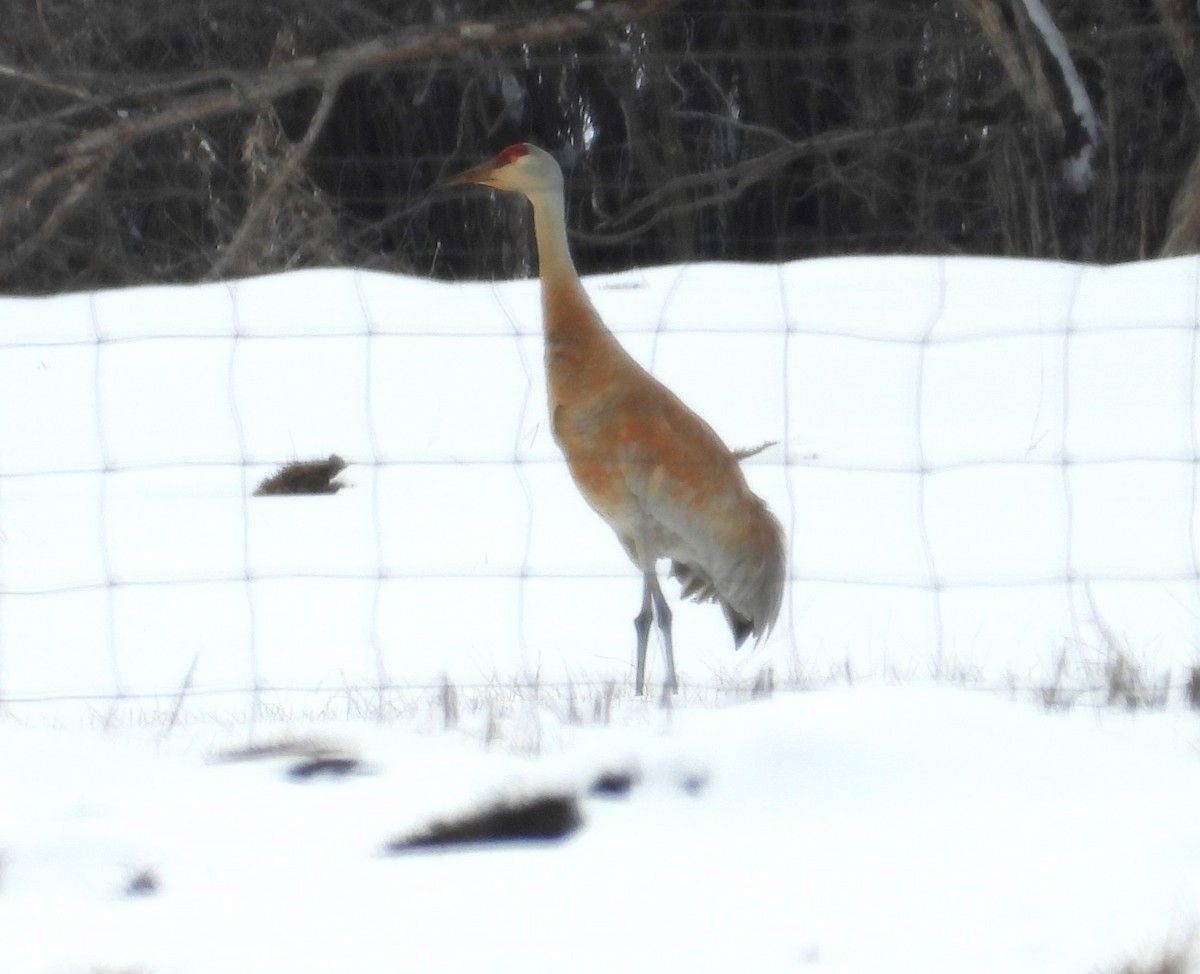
(512, 152)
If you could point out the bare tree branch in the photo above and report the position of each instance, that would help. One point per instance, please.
(1183, 224)
(86, 178)
(1040, 67)
(1021, 65)
(722, 185)
(326, 71)
(261, 207)
(41, 81)
(1181, 28)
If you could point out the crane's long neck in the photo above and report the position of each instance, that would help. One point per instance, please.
(550, 229)
(568, 315)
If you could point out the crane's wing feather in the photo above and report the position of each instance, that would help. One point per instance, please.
(695, 507)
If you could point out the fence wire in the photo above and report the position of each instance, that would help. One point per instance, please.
(136, 566)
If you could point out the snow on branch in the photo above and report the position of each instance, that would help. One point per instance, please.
(1037, 60)
(1079, 166)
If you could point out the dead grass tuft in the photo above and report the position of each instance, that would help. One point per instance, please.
(1174, 958)
(316, 760)
(305, 477)
(1192, 689)
(144, 882)
(1126, 683)
(602, 704)
(450, 710)
(614, 784)
(763, 687)
(1053, 694)
(304, 747)
(533, 817)
(1130, 686)
(327, 766)
(1108, 676)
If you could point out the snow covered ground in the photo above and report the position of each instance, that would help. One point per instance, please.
(987, 469)
(844, 830)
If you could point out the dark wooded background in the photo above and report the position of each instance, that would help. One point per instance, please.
(755, 130)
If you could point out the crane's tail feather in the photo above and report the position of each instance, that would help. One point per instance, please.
(741, 627)
(696, 586)
(748, 581)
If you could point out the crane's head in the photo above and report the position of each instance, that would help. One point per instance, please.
(519, 168)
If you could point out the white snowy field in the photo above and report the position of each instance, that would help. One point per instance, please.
(988, 473)
(853, 830)
(980, 463)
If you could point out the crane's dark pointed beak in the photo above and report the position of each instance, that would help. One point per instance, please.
(476, 174)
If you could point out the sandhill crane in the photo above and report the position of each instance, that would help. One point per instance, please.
(648, 465)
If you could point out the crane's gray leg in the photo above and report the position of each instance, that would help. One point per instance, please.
(663, 611)
(654, 607)
(641, 624)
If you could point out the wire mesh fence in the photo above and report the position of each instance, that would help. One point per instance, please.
(984, 468)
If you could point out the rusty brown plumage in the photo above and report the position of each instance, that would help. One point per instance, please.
(654, 470)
